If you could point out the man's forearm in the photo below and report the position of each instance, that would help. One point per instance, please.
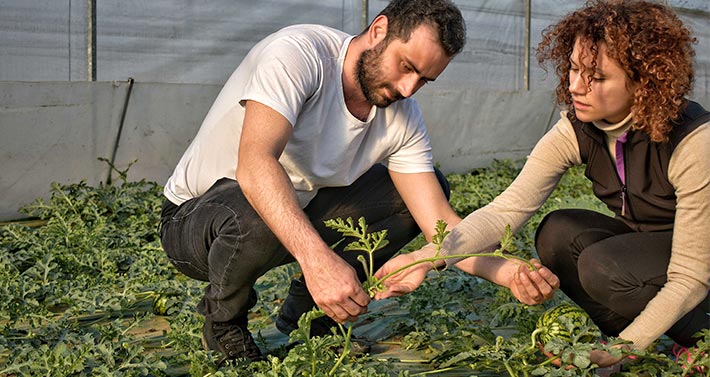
(272, 195)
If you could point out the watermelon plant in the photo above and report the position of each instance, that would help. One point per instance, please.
(371, 242)
(87, 291)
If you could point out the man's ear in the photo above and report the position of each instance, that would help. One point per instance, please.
(377, 31)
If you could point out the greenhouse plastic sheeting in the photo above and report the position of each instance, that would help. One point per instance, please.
(189, 41)
(55, 124)
(56, 131)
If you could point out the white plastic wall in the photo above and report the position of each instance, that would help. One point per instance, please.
(56, 131)
(54, 125)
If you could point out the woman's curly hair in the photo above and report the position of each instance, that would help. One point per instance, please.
(647, 40)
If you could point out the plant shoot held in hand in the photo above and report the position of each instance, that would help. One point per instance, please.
(371, 242)
(367, 242)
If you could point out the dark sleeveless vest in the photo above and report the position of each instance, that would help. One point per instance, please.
(649, 196)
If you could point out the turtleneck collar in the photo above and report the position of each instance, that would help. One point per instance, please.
(614, 130)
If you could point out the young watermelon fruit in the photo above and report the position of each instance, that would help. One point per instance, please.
(165, 304)
(565, 322)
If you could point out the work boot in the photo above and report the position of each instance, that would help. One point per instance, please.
(299, 301)
(232, 339)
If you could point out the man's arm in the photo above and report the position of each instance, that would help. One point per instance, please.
(332, 282)
(425, 200)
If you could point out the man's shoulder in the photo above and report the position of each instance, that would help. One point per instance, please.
(311, 28)
(312, 33)
(309, 41)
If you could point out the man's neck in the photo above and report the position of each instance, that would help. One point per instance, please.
(355, 100)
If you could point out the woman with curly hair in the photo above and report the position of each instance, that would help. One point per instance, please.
(625, 71)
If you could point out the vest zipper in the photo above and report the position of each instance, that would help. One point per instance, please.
(622, 182)
(625, 202)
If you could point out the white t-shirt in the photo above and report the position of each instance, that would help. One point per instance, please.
(297, 71)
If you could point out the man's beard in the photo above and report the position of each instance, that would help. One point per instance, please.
(369, 77)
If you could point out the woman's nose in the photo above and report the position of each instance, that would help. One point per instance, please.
(577, 83)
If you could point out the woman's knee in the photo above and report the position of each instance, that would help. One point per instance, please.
(610, 282)
(597, 274)
(554, 234)
(572, 230)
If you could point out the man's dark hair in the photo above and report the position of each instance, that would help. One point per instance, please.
(404, 16)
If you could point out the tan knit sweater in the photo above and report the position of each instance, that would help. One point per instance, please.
(689, 172)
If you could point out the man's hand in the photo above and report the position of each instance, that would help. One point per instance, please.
(533, 287)
(335, 288)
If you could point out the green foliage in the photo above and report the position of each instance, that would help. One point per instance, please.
(97, 250)
(440, 234)
(65, 348)
(79, 289)
(364, 242)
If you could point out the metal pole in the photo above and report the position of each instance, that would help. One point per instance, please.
(91, 40)
(527, 44)
(120, 130)
(364, 14)
(69, 41)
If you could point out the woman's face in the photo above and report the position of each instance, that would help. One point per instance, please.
(604, 93)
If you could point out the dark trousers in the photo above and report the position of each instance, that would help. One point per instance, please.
(610, 270)
(219, 238)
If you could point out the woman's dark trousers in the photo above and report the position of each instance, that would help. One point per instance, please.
(610, 270)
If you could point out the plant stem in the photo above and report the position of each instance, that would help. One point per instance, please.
(533, 343)
(443, 370)
(346, 347)
(444, 257)
(509, 369)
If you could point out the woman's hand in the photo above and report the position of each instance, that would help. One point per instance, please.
(532, 287)
(604, 359)
(601, 358)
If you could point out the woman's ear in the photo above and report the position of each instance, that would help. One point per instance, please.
(377, 31)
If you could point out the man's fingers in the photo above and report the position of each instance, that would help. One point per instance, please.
(546, 274)
(339, 314)
(380, 273)
(542, 280)
(360, 298)
(533, 287)
(392, 291)
(349, 309)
